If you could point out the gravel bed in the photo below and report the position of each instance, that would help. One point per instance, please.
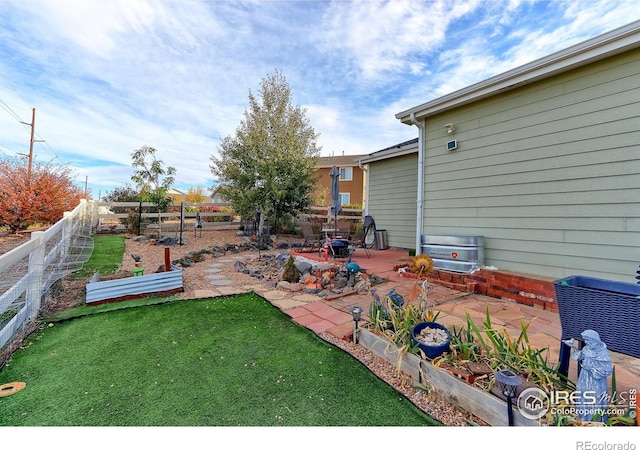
(152, 257)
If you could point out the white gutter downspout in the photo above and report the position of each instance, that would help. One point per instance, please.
(420, 194)
(366, 188)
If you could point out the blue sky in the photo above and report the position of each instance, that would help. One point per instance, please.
(107, 77)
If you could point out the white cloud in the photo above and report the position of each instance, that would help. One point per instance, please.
(381, 37)
(327, 118)
(109, 77)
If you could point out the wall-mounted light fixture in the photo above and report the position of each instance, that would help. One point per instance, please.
(452, 144)
(449, 128)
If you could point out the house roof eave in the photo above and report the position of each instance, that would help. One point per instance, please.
(404, 148)
(325, 162)
(600, 47)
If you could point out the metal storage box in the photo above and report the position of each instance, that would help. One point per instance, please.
(456, 253)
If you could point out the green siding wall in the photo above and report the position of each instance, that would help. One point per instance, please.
(393, 185)
(548, 173)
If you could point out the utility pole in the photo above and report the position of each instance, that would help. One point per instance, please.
(31, 141)
(33, 130)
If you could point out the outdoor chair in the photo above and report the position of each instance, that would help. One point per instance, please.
(366, 238)
(344, 229)
(312, 242)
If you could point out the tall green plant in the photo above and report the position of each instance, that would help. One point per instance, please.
(501, 351)
(394, 320)
(463, 347)
(153, 179)
(270, 161)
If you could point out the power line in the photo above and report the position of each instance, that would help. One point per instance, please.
(28, 125)
(5, 153)
(19, 119)
(11, 112)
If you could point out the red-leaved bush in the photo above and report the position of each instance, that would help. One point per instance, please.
(40, 197)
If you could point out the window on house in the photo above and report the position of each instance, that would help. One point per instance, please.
(345, 198)
(346, 173)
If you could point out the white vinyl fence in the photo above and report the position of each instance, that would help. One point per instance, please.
(28, 272)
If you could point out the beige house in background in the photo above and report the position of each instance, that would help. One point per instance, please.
(178, 196)
(351, 180)
(543, 161)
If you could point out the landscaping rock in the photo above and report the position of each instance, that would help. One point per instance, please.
(314, 291)
(166, 240)
(303, 266)
(362, 286)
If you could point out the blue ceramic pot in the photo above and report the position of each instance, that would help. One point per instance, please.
(431, 351)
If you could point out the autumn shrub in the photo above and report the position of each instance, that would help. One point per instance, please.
(39, 194)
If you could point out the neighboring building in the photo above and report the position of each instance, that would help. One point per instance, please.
(216, 197)
(178, 196)
(543, 161)
(351, 180)
(391, 191)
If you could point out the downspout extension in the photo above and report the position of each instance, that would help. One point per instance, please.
(366, 187)
(420, 193)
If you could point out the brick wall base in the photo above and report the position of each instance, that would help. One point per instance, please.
(525, 289)
(530, 290)
(454, 280)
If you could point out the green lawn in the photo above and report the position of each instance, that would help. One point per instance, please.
(226, 361)
(106, 256)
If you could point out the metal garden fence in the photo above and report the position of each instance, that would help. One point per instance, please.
(28, 272)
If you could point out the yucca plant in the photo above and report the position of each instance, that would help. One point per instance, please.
(504, 352)
(499, 350)
(463, 347)
(394, 320)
